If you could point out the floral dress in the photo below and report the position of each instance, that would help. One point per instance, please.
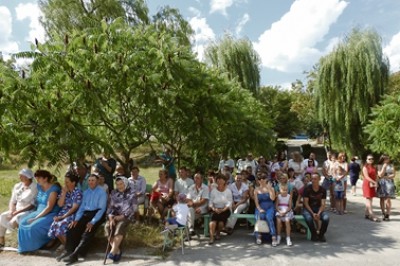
(60, 228)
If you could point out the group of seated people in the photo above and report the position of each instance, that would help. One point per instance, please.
(46, 212)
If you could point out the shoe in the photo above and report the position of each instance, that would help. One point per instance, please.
(278, 240)
(117, 257)
(314, 238)
(288, 241)
(274, 243)
(211, 241)
(63, 255)
(192, 232)
(387, 217)
(71, 259)
(229, 230)
(321, 238)
(110, 256)
(258, 241)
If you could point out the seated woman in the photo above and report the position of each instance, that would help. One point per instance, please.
(69, 202)
(22, 202)
(33, 229)
(264, 196)
(240, 193)
(162, 195)
(120, 213)
(220, 205)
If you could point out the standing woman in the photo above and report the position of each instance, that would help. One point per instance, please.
(32, 232)
(386, 189)
(341, 162)
(369, 186)
(220, 205)
(264, 197)
(69, 202)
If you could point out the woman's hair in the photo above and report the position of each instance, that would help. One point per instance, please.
(164, 171)
(45, 174)
(220, 176)
(74, 178)
(383, 158)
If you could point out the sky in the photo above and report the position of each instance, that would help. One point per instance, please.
(289, 35)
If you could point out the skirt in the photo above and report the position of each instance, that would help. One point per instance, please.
(386, 189)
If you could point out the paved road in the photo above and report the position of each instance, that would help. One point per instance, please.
(352, 240)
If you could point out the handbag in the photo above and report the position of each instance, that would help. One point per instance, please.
(261, 226)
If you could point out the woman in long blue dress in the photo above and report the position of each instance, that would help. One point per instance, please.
(265, 208)
(32, 232)
(69, 201)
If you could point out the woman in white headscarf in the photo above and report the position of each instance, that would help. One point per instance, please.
(22, 203)
(120, 214)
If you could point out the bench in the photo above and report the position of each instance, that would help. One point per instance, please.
(300, 219)
(252, 220)
(248, 217)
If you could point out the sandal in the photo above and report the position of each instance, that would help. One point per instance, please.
(367, 216)
(217, 237)
(211, 242)
(375, 219)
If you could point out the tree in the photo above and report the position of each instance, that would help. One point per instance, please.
(277, 105)
(238, 59)
(350, 80)
(383, 127)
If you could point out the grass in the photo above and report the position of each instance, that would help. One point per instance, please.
(147, 236)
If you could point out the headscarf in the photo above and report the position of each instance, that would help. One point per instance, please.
(124, 179)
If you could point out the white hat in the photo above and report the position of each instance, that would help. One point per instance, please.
(26, 172)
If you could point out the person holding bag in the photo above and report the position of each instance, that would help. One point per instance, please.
(369, 187)
(264, 197)
(386, 189)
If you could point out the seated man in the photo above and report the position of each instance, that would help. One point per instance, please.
(197, 200)
(314, 208)
(89, 217)
(183, 183)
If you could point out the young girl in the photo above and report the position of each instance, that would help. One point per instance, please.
(284, 213)
(339, 189)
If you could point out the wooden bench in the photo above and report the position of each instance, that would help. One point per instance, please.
(251, 218)
(248, 217)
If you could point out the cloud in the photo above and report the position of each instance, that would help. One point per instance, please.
(7, 46)
(242, 23)
(32, 12)
(289, 45)
(392, 51)
(220, 6)
(203, 34)
(194, 11)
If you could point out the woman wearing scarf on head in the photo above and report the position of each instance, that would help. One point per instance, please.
(120, 213)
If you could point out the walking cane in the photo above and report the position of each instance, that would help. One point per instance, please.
(108, 243)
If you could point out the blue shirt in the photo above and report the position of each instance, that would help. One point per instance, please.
(93, 199)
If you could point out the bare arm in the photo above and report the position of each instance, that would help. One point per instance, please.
(366, 176)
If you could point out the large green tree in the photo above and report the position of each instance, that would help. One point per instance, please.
(238, 59)
(351, 79)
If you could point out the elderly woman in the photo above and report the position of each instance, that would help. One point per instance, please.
(120, 213)
(33, 229)
(220, 205)
(22, 202)
(386, 189)
(162, 195)
(69, 202)
(240, 193)
(264, 197)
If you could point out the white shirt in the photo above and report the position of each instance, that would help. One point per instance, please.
(181, 211)
(237, 194)
(219, 199)
(182, 185)
(228, 162)
(196, 195)
(23, 196)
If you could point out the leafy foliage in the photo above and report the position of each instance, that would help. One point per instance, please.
(351, 80)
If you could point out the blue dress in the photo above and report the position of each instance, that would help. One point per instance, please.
(32, 236)
(268, 206)
(60, 228)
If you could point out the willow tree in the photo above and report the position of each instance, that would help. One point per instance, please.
(238, 59)
(351, 79)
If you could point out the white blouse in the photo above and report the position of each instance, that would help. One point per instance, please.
(23, 196)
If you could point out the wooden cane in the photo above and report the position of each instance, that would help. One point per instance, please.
(108, 243)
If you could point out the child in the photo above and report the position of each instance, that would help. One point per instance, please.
(102, 183)
(284, 213)
(179, 213)
(339, 189)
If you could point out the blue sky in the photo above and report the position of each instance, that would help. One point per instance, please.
(289, 35)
